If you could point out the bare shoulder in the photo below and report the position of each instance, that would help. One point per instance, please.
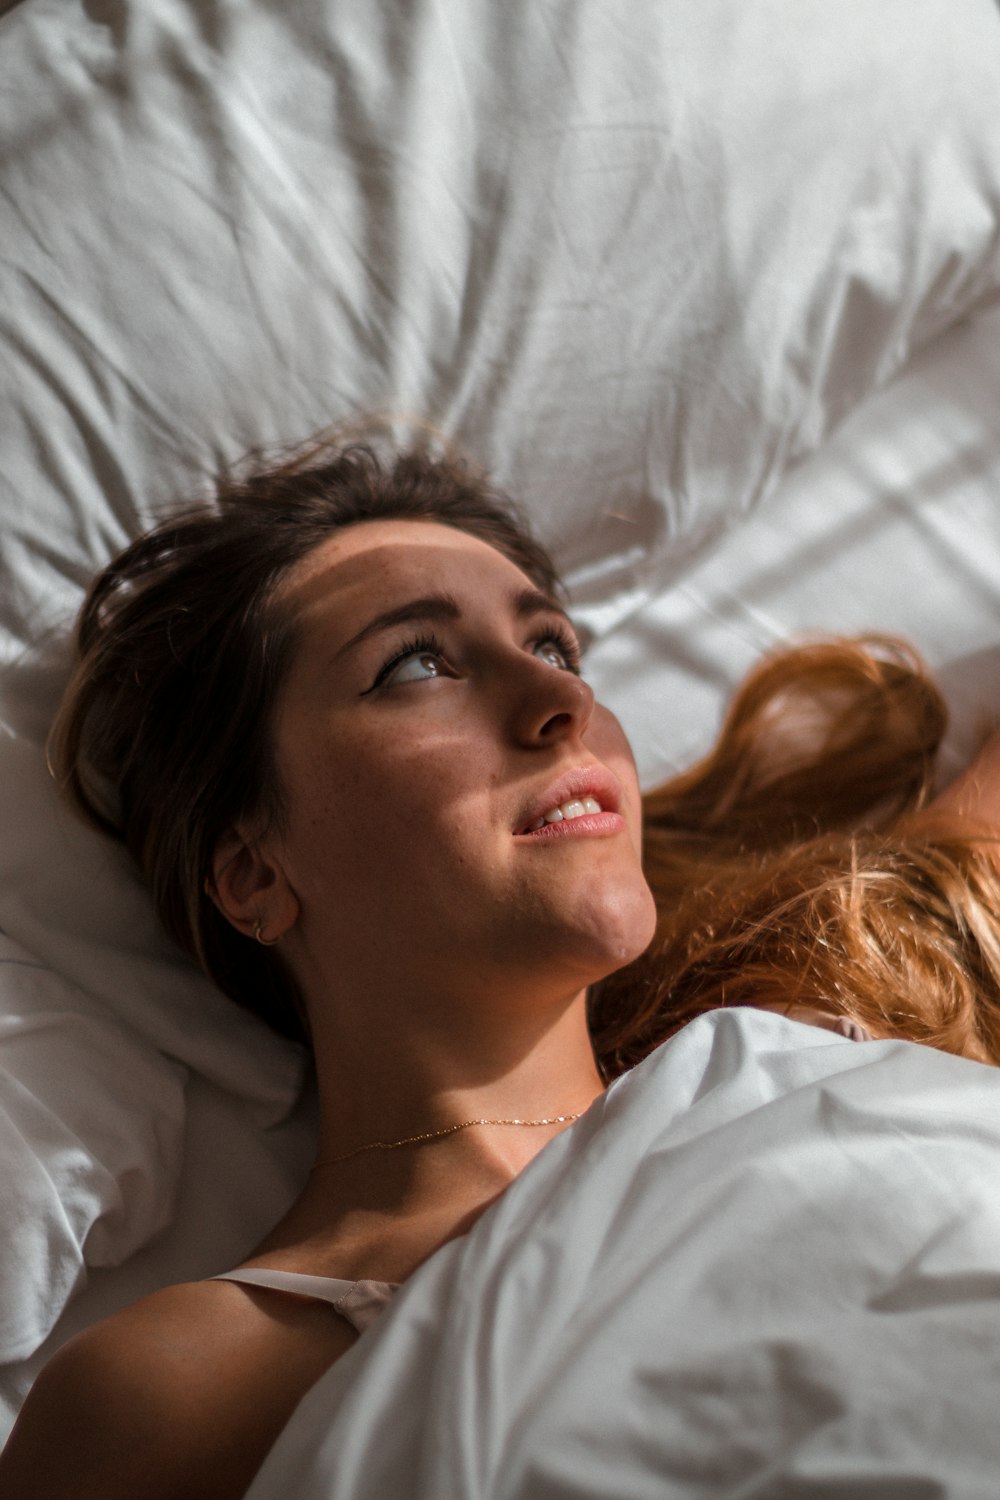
(112, 1394)
(182, 1393)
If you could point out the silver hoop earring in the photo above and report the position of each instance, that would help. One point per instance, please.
(258, 933)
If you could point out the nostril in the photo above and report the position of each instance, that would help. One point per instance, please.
(557, 723)
(550, 703)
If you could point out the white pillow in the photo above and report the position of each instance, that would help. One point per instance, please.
(637, 260)
(91, 1127)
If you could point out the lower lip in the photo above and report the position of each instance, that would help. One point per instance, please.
(589, 825)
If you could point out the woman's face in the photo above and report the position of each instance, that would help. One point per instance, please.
(431, 722)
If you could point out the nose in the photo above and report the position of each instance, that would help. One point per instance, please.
(550, 705)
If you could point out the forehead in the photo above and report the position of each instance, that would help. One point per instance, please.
(371, 562)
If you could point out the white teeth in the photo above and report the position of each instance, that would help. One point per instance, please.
(575, 808)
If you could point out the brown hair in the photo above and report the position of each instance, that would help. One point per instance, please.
(800, 864)
(164, 736)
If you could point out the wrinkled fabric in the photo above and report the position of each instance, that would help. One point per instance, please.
(766, 1263)
(91, 1125)
(635, 263)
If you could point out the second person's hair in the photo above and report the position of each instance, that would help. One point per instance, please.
(799, 864)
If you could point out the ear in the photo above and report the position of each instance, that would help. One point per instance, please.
(249, 886)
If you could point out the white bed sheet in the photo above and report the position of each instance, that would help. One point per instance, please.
(765, 1264)
(894, 526)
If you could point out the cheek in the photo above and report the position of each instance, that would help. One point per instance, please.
(332, 817)
(379, 808)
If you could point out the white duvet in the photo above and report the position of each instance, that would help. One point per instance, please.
(766, 1263)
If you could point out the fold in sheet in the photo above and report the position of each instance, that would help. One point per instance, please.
(766, 1263)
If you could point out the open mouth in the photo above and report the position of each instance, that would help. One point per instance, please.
(590, 794)
(566, 812)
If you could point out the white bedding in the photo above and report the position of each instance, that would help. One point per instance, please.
(767, 1263)
(894, 525)
(714, 289)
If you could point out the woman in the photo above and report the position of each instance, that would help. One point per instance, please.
(805, 866)
(338, 719)
(340, 725)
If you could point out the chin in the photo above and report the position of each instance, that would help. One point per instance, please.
(620, 928)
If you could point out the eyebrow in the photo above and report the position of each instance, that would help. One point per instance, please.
(444, 607)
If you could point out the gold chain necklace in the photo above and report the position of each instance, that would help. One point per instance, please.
(437, 1135)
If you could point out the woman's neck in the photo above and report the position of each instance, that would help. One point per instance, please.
(379, 1211)
(417, 1075)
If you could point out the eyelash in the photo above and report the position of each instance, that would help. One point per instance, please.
(567, 644)
(422, 643)
(555, 633)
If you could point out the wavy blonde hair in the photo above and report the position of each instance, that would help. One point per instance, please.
(801, 863)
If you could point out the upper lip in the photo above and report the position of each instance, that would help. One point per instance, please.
(587, 781)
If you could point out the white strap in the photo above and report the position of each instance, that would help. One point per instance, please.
(326, 1288)
(360, 1302)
